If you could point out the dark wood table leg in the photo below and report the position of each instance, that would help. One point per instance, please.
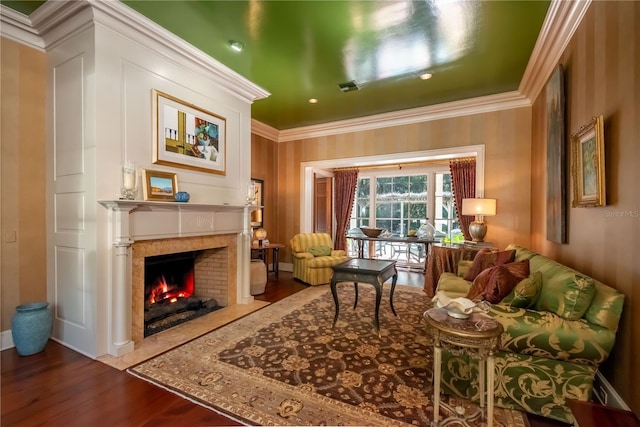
(378, 286)
(334, 292)
(355, 287)
(393, 288)
(276, 255)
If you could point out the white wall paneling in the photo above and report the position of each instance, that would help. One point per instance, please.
(104, 62)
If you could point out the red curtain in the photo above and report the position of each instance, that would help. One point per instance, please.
(463, 183)
(344, 192)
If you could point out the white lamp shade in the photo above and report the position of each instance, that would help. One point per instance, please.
(479, 207)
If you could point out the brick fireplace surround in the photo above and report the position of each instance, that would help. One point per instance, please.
(222, 263)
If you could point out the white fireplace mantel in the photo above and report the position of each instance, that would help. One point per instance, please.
(133, 220)
(144, 220)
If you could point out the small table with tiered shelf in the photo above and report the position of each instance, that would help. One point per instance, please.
(477, 336)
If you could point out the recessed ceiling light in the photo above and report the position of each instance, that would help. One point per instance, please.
(237, 46)
(426, 76)
(313, 101)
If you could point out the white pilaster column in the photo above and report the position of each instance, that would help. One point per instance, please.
(120, 342)
(244, 259)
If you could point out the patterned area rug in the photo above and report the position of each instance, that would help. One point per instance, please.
(285, 365)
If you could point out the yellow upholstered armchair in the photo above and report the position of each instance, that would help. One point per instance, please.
(313, 256)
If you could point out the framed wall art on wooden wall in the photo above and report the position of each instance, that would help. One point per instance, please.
(556, 159)
(587, 165)
(257, 220)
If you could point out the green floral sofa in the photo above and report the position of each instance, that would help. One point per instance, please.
(559, 324)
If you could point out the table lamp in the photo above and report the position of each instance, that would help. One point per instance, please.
(479, 208)
(260, 234)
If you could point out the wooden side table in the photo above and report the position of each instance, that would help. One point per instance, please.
(275, 248)
(588, 414)
(478, 336)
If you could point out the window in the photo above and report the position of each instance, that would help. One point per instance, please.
(404, 200)
(445, 217)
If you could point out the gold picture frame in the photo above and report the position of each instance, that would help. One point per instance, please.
(258, 200)
(587, 165)
(187, 136)
(159, 186)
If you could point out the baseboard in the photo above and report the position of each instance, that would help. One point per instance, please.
(605, 394)
(285, 266)
(6, 340)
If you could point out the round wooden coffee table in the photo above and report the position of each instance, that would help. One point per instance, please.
(478, 336)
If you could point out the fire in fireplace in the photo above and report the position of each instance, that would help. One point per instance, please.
(171, 294)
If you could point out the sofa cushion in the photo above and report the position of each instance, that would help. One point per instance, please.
(320, 250)
(546, 335)
(463, 266)
(521, 252)
(452, 285)
(486, 258)
(495, 283)
(567, 294)
(526, 292)
(606, 308)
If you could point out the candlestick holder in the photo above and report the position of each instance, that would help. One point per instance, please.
(129, 187)
(251, 194)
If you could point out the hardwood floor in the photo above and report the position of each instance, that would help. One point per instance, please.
(59, 387)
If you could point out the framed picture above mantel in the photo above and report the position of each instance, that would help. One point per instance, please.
(187, 136)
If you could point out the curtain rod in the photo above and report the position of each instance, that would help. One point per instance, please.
(405, 164)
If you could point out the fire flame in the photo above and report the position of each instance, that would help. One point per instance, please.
(164, 291)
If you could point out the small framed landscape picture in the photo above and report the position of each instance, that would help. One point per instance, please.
(587, 165)
(160, 186)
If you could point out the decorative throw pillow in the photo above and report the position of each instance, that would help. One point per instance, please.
(463, 267)
(567, 294)
(486, 258)
(320, 250)
(526, 292)
(495, 283)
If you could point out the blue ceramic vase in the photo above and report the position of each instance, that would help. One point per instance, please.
(182, 196)
(31, 327)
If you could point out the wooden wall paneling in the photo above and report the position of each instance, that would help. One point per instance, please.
(23, 101)
(603, 77)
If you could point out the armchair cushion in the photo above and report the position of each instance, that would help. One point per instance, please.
(320, 250)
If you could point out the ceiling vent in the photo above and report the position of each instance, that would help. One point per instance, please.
(349, 86)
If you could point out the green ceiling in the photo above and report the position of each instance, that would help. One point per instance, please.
(303, 49)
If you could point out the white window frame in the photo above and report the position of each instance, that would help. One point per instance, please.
(429, 170)
(307, 170)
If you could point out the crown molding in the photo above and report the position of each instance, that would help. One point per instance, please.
(124, 20)
(56, 21)
(19, 28)
(561, 22)
(484, 104)
(264, 131)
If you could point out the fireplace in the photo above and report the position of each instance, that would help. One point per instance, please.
(177, 287)
(194, 271)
